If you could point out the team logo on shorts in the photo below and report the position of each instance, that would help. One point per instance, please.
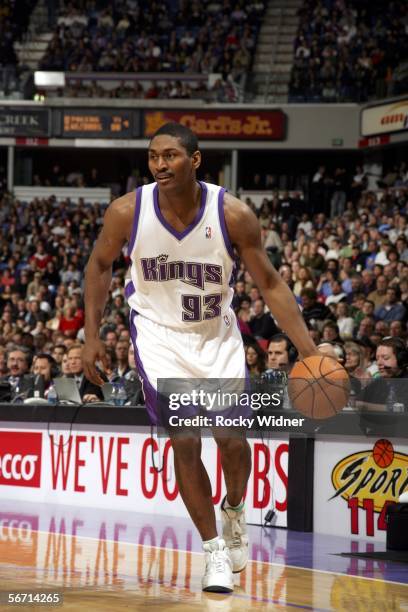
(208, 232)
(227, 320)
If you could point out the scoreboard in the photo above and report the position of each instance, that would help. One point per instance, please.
(98, 123)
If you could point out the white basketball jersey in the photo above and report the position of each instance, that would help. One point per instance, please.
(180, 279)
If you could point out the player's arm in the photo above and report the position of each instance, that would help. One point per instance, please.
(98, 275)
(245, 235)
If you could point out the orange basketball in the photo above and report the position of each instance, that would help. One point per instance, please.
(383, 453)
(318, 387)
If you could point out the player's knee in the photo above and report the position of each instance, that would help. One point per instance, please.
(232, 445)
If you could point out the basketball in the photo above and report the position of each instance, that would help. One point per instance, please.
(383, 453)
(318, 387)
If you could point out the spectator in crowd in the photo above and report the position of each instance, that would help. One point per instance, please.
(122, 359)
(303, 279)
(366, 328)
(19, 377)
(344, 321)
(392, 360)
(398, 329)
(337, 294)
(58, 353)
(330, 332)
(70, 323)
(391, 310)
(355, 360)
(110, 338)
(88, 391)
(313, 311)
(281, 353)
(45, 369)
(262, 324)
(255, 360)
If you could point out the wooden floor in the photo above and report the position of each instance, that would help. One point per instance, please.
(98, 575)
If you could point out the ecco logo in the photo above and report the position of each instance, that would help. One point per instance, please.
(17, 466)
(20, 459)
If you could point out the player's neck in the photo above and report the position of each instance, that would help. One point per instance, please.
(184, 199)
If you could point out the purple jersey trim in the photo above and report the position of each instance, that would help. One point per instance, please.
(223, 225)
(149, 391)
(135, 220)
(129, 289)
(193, 224)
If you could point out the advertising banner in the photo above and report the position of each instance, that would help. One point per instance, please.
(384, 118)
(24, 122)
(117, 470)
(228, 124)
(354, 482)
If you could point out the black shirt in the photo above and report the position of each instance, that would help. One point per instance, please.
(384, 390)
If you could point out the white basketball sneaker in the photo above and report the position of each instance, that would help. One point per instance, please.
(218, 568)
(234, 532)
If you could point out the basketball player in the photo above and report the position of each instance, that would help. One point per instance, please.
(181, 235)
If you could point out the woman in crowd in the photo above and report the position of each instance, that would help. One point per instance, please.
(255, 360)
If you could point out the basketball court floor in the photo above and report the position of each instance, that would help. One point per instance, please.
(110, 560)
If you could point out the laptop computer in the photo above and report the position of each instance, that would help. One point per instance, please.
(107, 391)
(67, 390)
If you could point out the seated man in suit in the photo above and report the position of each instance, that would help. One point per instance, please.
(88, 391)
(19, 360)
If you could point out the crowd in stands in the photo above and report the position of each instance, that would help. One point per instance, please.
(348, 50)
(348, 271)
(164, 36)
(14, 16)
(44, 247)
(224, 89)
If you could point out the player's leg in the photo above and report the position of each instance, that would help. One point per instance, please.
(194, 484)
(195, 490)
(236, 464)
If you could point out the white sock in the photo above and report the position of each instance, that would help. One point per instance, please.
(238, 508)
(214, 543)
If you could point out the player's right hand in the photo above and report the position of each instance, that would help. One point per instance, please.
(93, 351)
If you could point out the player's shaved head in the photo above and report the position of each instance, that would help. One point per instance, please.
(186, 136)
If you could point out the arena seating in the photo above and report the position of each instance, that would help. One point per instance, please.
(206, 38)
(353, 248)
(349, 51)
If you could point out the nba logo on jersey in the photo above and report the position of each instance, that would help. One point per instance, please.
(227, 320)
(208, 232)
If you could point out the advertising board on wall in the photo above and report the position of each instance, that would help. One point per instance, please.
(116, 470)
(384, 118)
(228, 124)
(24, 122)
(354, 482)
